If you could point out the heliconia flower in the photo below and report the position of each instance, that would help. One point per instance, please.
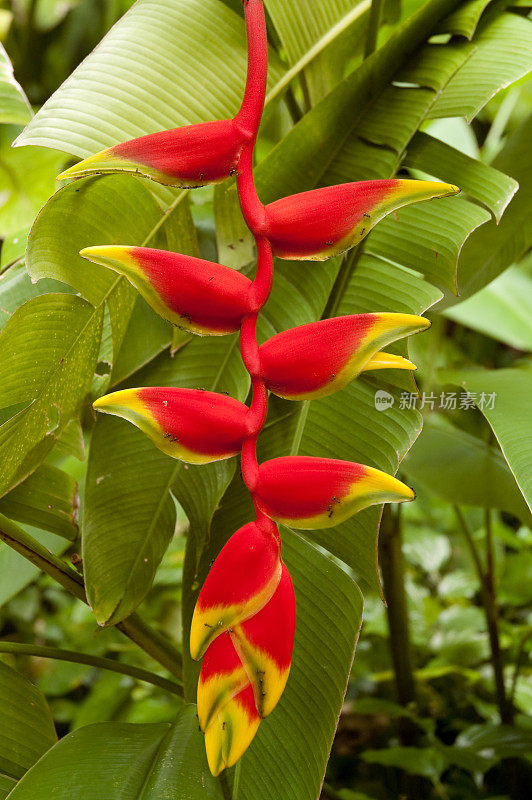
(193, 155)
(257, 651)
(316, 225)
(201, 296)
(241, 581)
(388, 361)
(265, 643)
(231, 732)
(307, 492)
(316, 360)
(192, 425)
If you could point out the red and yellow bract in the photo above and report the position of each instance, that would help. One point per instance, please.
(316, 225)
(316, 360)
(189, 424)
(200, 296)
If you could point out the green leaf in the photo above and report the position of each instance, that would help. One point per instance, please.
(27, 180)
(124, 543)
(511, 415)
(16, 287)
(462, 469)
(464, 21)
(146, 336)
(48, 352)
(493, 248)
(500, 310)
(16, 572)
(429, 238)
(13, 248)
(482, 182)
(501, 57)
(120, 761)
(14, 105)
(111, 210)
(426, 761)
(6, 785)
(291, 744)
(503, 740)
(48, 499)
(26, 726)
(319, 38)
(188, 66)
(303, 157)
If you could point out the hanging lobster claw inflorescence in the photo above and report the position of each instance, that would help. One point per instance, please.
(244, 620)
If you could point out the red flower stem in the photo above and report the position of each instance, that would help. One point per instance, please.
(252, 209)
(248, 120)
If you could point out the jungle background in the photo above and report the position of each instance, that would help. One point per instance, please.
(440, 694)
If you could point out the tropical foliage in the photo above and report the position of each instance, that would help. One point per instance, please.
(96, 522)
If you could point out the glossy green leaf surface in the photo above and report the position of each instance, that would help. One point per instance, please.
(465, 471)
(501, 56)
(166, 63)
(49, 349)
(32, 168)
(510, 417)
(17, 572)
(120, 761)
(48, 499)
(493, 248)
(484, 183)
(26, 726)
(464, 21)
(14, 105)
(500, 310)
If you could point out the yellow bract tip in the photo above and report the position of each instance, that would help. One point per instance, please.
(388, 361)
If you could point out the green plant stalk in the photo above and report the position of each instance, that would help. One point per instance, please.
(393, 581)
(492, 620)
(161, 650)
(373, 27)
(489, 603)
(391, 561)
(109, 664)
(517, 668)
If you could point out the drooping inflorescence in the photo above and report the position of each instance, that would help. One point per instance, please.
(244, 622)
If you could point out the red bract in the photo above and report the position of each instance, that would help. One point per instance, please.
(189, 424)
(318, 359)
(322, 223)
(265, 643)
(308, 492)
(200, 296)
(242, 580)
(194, 155)
(256, 655)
